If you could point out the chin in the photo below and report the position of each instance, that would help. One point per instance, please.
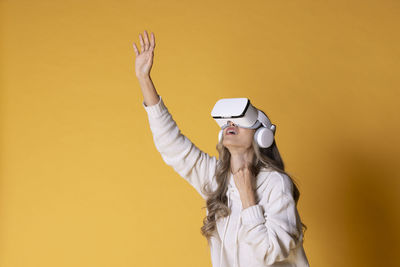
(232, 144)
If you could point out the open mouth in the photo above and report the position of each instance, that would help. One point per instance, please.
(231, 131)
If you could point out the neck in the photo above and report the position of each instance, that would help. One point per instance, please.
(240, 158)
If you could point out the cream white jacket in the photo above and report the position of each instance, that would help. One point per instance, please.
(260, 235)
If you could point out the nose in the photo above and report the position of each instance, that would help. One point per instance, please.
(231, 123)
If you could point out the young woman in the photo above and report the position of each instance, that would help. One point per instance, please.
(252, 218)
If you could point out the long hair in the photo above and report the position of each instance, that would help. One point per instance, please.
(216, 202)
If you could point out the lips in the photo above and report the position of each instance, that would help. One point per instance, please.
(231, 128)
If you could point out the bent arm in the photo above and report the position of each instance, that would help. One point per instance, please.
(271, 229)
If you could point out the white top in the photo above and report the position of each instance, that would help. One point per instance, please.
(260, 235)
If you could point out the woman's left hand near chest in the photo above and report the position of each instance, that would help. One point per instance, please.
(242, 180)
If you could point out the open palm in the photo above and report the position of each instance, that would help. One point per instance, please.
(144, 59)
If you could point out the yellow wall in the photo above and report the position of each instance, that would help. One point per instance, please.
(81, 181)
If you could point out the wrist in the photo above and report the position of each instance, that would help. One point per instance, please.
(143, 76)
(248, 201)
(245, 205)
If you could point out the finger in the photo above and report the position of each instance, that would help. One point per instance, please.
(141, 42)
(152, 41)
(146, 40)
(136, 50)
(239, 172)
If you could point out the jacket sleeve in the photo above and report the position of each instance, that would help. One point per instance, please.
(271, 227)
(194, 165)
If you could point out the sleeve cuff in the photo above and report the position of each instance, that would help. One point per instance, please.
(253, 215)
(155, 110)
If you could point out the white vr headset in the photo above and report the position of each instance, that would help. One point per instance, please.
(243, 114)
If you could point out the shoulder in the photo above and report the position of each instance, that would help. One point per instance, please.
(280, 181)
(275, 183)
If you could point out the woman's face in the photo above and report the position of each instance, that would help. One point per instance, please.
(242, 138)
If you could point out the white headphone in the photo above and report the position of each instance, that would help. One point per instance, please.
(264, 135)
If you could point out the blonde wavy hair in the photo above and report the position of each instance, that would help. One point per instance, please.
(216, 202)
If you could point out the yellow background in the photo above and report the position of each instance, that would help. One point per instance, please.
(81, 181)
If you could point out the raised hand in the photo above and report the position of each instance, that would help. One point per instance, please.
(144, 58)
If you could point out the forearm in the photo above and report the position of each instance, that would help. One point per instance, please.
(248, 199)
(150, 96)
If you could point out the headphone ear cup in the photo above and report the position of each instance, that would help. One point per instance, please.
(221, 132)
(264, 137)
